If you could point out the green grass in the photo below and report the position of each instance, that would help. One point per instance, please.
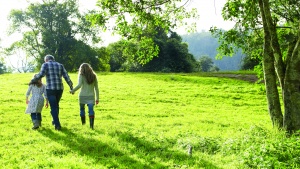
(147, 120)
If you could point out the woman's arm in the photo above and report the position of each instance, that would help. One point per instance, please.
(80, 78)
(97, 90)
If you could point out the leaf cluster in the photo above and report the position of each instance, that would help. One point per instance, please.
(247, 34)
(139, 20)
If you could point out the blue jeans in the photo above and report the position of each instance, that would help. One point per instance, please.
(36, 116)
(90, 107)
(54, 97)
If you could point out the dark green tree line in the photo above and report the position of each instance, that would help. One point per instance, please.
(173, 55)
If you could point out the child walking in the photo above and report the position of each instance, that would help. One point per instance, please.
(36, 102)
(89, 93)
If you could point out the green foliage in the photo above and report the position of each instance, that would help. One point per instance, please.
(139, 20)
(122, 55)
(115, 53)
(57, 28)
(2, 68)
(103, 59)
(245, 35)
(205, 64)
(146, 50)
(268, 31)
(271, 151)
(250, 63)
(173, 55)
(130, 55)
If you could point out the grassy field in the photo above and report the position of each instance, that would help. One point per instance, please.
(148, 120)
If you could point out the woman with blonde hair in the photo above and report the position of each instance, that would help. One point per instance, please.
(89, 93)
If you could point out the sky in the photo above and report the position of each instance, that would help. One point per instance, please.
(209, 11)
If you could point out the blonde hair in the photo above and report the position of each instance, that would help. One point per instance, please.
(87, 71)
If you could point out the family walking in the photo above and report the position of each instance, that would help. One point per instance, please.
(53, 90)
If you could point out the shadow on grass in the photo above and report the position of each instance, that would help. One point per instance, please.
(148, 151)
(101, 153)
(153, 155)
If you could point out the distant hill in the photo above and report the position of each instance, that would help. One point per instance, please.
(204, 44)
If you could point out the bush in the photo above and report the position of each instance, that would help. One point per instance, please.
(264, 150)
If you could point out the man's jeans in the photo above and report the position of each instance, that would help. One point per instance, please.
(54, 97)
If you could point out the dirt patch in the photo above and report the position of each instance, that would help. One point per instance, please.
(249, 77)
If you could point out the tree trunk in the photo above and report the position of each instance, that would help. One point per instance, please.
(270, 74)
(290, 80)
(279, 65)
(271, 87)
(291, 92)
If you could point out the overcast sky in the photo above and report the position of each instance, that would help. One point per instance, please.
(209, 11)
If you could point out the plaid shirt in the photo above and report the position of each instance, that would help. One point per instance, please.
(54, 71)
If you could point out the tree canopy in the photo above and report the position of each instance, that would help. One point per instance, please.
(173, 55)
(140, 19)
(58, 28)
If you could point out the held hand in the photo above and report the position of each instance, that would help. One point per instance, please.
(71, 92)
(46, 105)
(27, 101)
(97, 101)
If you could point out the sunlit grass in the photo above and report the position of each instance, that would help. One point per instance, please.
(143, 120)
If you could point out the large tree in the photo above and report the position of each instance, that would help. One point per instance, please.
(139, 20)
(55, 27)
(123, 56)
(275, 26)
(173, 55)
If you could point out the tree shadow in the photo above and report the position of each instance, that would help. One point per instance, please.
(110, 157)
(144, 149)
(100, 152)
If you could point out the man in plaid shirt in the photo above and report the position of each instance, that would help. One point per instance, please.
(54, 72)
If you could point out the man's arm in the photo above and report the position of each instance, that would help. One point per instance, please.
(67, 77)
(79, 85)
(41, 74)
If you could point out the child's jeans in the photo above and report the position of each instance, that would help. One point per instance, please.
(36, 116)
